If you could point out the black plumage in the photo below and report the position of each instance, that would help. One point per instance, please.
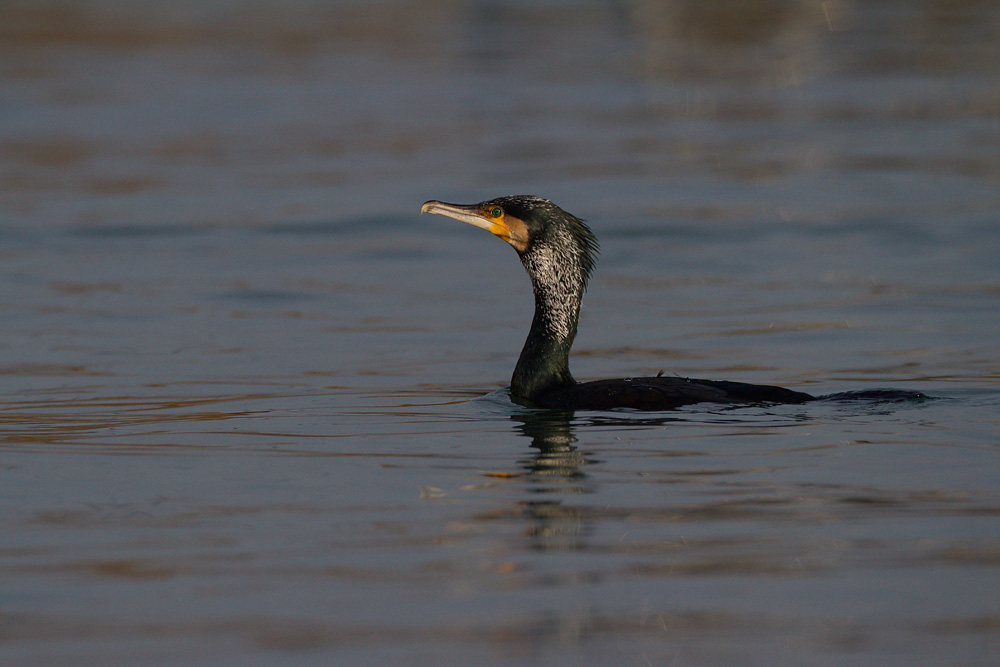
(559, 252)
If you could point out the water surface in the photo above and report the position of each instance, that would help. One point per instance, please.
(253, 405)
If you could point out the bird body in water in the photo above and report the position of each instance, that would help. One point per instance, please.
(559, 252)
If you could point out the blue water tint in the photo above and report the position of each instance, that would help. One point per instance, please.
(254, 407)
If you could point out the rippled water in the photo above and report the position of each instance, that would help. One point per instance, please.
(253, 406)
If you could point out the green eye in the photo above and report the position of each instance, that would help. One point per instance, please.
(496, 212)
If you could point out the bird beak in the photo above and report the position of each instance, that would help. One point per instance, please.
(470, 214)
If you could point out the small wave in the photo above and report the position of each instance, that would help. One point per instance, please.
(877, 396)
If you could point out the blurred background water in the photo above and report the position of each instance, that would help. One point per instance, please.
(252, 406)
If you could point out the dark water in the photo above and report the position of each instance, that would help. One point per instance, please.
(252, 403)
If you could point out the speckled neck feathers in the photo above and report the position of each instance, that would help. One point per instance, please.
(559, 259)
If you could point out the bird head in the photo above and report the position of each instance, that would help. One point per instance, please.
(528, 224)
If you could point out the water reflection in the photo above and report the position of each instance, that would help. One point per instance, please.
(557, 458)
(558, 464)
(699, 41)
(556, 468)
(234, 357)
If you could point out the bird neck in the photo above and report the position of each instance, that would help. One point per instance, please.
(544, 360)
(543, 365)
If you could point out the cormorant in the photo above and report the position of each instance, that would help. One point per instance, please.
(559, 251)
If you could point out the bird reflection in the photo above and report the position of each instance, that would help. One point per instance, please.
(556, 468)
(558, 462)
